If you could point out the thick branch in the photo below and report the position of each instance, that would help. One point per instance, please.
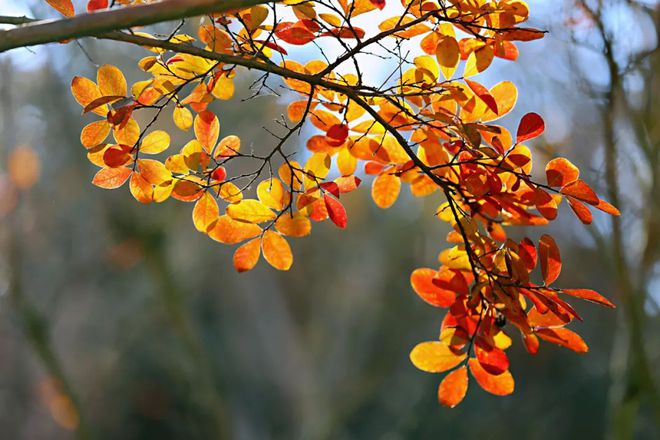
(88, 25)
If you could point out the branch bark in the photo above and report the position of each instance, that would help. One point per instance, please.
(89, 25)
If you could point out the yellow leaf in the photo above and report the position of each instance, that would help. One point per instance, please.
(385, 190)
(153, 171)
(251, 211)
(182, 118)
(206, 211)
(276, 250)
(111, 81)
(155, 142)
(223, 88)
(127, 135)
(271, 193)
(230, 193)
(435, 357)
(229, 146)
(478, 61)
(247, 255)
(316, 168)
(291, 174)
(294, 226)
(141, 189)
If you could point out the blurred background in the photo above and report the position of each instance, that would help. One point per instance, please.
(119, 320)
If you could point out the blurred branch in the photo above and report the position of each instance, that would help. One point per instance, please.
(87, 25)
(636, 379)
(37, 335)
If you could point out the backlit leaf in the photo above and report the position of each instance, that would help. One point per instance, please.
(206, 211)
(276, 250)
(500, 385)
(435, 357)
(531, 125)
(111, 178)
(385, 190)
(453, 387)
(550, 259)
(246, 256)
(251, 211)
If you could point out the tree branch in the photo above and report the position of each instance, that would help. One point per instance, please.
(89, 25)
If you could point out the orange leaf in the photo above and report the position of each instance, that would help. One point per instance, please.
(580, 190)
(294, 226)
(205, 212)
(276, 250)
(207, 129)
(229, 231)
(111, 178)
(550, 259)
(453, 387)
(64, 7)
(435, 357)
(606, 207)
(561, 172)
(385, 190)
(581, 210)
(422, 282)
(589, 295)
(531, 126)
(247, 255)
(500, 385)
(564, 337)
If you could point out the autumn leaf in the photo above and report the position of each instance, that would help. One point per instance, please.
(531, 125)
(453, 387)
(246, 256)
(64, 7)
(111, 178)
(550, 259)
(435, 357)
(500, 385)
(276, 250)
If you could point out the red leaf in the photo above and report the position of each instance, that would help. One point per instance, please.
(336, 211)
(293, 33)
(494, 361)
(589, 295)
(380, 4)
(531, 126)
(95, 5)
(331, 187)
(483, 94)
(550, 259)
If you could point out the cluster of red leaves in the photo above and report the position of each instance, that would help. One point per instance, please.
(429, 130)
